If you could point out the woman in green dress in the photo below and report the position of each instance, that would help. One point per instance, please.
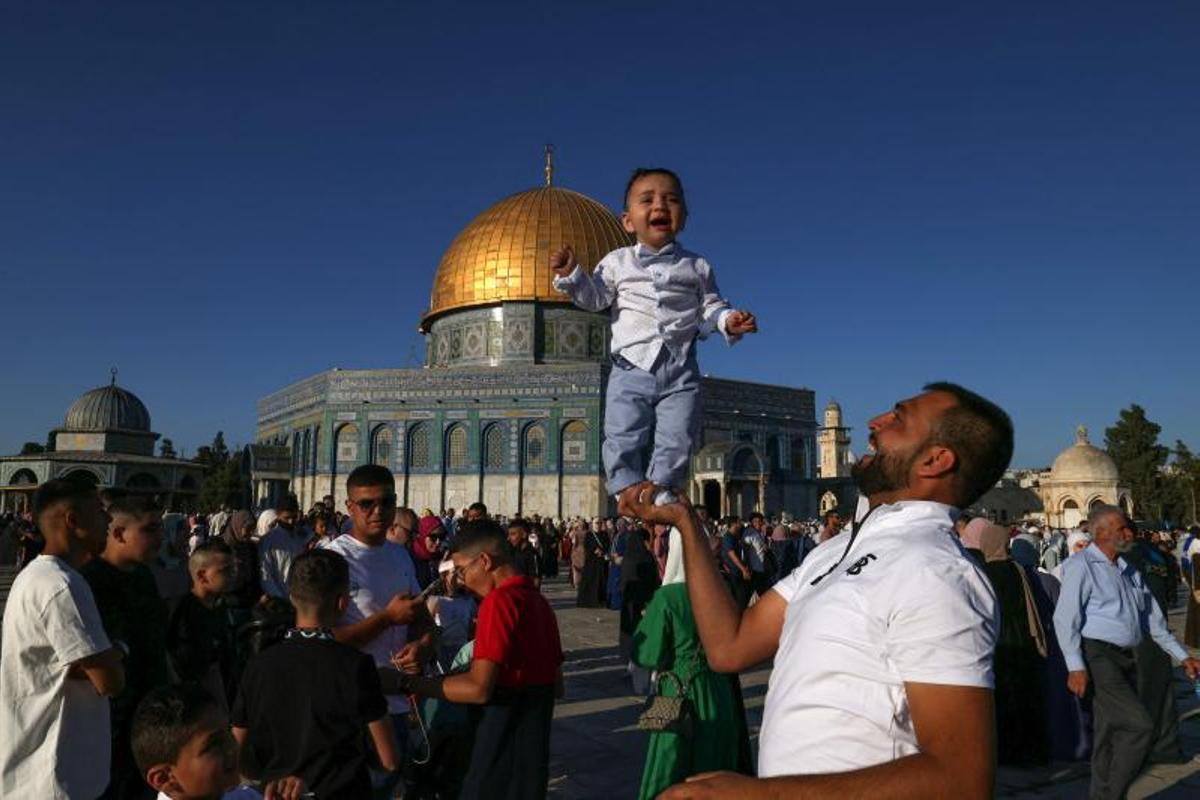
(666, 640)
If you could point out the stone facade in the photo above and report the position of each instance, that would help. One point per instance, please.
(524, 439)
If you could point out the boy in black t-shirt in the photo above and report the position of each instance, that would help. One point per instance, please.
(199, 634)
(135, 619)
(307, 704)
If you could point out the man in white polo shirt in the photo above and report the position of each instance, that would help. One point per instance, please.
(883, 637)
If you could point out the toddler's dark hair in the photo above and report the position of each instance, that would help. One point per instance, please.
(642, 172)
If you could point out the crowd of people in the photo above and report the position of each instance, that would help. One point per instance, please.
(314, 636)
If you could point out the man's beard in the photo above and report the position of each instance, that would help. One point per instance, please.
(883, 473)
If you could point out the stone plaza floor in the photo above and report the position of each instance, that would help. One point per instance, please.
(597, 753)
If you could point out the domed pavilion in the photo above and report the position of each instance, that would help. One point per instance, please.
(105, 440)
(1082, 477)
(509, 407)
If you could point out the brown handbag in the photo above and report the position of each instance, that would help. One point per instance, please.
(668, 714)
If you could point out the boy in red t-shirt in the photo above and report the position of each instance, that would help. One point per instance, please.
(516, 670)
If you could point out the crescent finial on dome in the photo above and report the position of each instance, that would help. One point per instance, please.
(549, 164)
(1081, 435)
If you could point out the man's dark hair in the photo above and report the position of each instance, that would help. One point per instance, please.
(317, 578)
(135, 505)
(481, 536)
(642, 172)
(365, 475)
(164, 721)
(478, 506)
(981, 435)
(833, 512)
(59, 490)
(755, 515)
(520, 522)
(287, 502)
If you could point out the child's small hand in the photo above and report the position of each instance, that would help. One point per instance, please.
(739, 323)
(562, 261)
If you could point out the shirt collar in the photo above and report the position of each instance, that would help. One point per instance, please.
(1094, 553)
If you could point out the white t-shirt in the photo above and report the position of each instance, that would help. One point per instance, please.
(54, 730)
(906, 604)
(276, 552)
(376, 574)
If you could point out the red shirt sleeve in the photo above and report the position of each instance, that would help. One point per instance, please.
(494, 630)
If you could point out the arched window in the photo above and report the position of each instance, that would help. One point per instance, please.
(773, 457)
(305, 452)
(456, 448)
(296, 454)
(347, 444)
(535, 447)
(574, 442)
(418, 446)
(381, 446)
(24, 477)
(493, 447)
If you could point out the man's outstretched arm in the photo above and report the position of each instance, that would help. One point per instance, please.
(733, 640)
(955, 729)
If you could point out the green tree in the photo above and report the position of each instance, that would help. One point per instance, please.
(215, 454)
(1133, 445)
(32, 449)
(222, 485)
(1187, 474)
(167, 449)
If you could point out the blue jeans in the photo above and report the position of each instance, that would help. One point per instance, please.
(641, 409)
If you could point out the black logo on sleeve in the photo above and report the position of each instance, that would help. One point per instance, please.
(862, 562)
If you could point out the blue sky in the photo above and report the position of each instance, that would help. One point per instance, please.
(221, 198)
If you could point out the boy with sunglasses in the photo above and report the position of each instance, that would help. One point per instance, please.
(384, 616)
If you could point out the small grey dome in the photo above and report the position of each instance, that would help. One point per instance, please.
(108, 408)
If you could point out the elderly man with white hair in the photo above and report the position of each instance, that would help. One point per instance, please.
(1104, 610)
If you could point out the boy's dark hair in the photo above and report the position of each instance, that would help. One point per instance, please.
(756, 515)
(478, 506)
(481, 536)
(370, 475)
(287, 502)
(642, 172)
(317, 578)
(134, 505)
(59, 490)
(164, 721)
(520, 522)
(981, 435)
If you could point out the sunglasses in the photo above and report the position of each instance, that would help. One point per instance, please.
(367, 506)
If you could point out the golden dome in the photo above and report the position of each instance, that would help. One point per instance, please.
(504, 253)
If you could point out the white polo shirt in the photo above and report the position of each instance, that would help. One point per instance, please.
(906, 603)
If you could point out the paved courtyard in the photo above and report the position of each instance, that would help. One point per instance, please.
(597, 752)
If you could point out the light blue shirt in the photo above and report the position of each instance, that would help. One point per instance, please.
(658, 298)
(1107, 601)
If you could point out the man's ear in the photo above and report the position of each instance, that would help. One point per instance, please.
(343, 602)
(936, 462)
(161, 778)
(627, 222)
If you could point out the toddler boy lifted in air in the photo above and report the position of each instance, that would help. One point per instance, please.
(662, 298)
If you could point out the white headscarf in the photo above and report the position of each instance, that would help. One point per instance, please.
(674, 573)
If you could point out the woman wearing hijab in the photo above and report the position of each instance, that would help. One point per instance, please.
(593, 576)
(666, 640)
(1021, 650)
(238, 534)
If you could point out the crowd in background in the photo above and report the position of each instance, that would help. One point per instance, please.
(224, 578)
